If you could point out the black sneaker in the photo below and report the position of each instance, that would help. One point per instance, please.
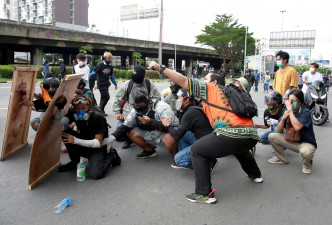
(146, 154)
(67, 167)
(116, 160)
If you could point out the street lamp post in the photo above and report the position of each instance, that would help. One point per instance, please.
(282, 19)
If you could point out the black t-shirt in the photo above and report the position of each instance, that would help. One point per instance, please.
(96, 124)
(268, 115)
(39, 104)
(194, 120)
(103, 71)
(307, 132)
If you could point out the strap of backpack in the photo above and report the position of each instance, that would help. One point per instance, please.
(218, 107)
(129, 88)
(148, 86)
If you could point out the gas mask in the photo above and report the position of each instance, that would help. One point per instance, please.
(81, 115)
(178, 103)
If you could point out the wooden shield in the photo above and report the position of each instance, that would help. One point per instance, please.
(45, 154)
(18, 116)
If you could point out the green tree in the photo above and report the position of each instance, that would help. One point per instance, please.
(226, 37)
(138, 58)
(85, 49)
(109, 48)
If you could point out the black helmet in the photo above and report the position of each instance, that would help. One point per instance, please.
(274, 95)
(51, 82)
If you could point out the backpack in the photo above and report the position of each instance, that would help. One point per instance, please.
(240, 101)
(130, 87)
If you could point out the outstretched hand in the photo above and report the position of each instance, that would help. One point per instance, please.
(154, 66)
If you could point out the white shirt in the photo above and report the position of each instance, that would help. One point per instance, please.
(310, 78)
(86, 71)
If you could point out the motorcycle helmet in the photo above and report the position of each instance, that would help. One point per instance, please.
(274, 95)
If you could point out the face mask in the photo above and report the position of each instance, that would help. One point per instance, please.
(295, 106)
(81, 115)
(312, 70)
(81, 63)
(178, 103)
(136, 78)
(279, 64)
(273, 109)
(108, 62)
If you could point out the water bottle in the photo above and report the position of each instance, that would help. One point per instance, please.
(63, 204)
(81, 170)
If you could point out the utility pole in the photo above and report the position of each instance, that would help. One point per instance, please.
(282, 19)
(160, 35)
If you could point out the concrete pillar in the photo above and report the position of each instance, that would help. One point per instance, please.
(37, 56)
(189, 67)
(66, 59)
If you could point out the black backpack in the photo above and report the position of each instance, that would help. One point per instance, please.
(240, 101)
(130, 87)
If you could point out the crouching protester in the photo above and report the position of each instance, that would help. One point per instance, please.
(272, 115)
(233, 135)
(193, 125)
(87, 140)
(144, 127)
(41, 102)
(299, 135)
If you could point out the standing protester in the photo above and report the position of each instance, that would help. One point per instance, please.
(297, 118)
(104, 71)
(87, 142)
(82, 68)
(326, 82)
(127, 94)
(233, 135)
(311, 76)
(89, 62)
(62, 70)
(257, 79)
(46, 71)
(286, 76)
(266, 81)
(251, 79)
(300, 81)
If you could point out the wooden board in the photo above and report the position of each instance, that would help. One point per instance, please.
(45, 154)
(18, 118)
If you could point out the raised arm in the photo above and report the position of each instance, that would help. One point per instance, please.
(173, 75)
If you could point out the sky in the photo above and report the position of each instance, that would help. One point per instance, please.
(183, 20)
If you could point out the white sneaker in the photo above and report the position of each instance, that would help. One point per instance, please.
(305, 170)
(275, 160)
(258, 180)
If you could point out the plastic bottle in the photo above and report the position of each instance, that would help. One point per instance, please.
(81, 170)
(63, 204)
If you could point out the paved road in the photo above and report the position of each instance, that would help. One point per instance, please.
(151, 192)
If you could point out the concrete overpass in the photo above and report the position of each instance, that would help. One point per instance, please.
(39, 39)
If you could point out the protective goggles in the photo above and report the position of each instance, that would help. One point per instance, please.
(81, 100)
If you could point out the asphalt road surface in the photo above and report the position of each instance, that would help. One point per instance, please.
(149, 191)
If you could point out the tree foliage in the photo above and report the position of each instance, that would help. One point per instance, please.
(227, 37)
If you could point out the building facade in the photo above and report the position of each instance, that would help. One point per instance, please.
(70, 14)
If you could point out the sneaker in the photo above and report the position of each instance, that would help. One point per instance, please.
(126, 144)
(209, 199)
(305, 170)
(67, 167)
(174, 166)
(213, 165)
(146, 154)
(275, 160)
(257, 179)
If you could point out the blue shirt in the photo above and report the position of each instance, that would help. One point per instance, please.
(257, 76)
(307, 132)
